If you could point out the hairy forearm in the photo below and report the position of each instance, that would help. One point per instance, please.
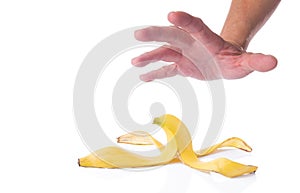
(245, 18)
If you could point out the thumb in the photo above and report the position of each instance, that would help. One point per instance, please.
(260, 62)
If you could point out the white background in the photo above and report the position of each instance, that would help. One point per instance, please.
(42, 45)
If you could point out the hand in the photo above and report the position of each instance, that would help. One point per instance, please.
(197, 52)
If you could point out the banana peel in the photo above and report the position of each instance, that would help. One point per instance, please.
(177, 149)
(115, 157)
(144, 138)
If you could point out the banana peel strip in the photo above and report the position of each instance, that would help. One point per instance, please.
(177, 149)
(144, 138)
(115, 157)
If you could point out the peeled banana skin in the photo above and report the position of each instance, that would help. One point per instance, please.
(178, 148)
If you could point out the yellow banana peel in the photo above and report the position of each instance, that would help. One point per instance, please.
(177, 149)
(115, 157)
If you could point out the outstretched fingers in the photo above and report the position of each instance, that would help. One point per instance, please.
(164, 53)
(172, 35)
(163, 72)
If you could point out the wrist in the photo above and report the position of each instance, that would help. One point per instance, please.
(236, 45)
(239, 40)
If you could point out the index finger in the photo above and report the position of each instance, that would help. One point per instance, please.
(172, 35)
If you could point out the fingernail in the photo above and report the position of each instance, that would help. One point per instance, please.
(141, 35)
(134, 61)
(144, 78)
(137, 63)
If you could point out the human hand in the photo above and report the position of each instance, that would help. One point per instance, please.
(197, 52)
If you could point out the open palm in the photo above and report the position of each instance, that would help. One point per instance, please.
(197, 52)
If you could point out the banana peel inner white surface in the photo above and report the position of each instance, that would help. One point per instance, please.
(177, 149)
